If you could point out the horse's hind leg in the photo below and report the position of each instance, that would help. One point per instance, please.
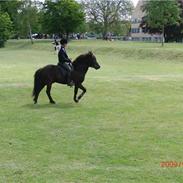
(37, 93)
(48, 89)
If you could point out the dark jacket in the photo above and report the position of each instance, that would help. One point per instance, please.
(62, 56)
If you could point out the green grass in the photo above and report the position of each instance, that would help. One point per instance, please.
(129, 121)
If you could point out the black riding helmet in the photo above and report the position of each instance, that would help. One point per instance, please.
(63, 41)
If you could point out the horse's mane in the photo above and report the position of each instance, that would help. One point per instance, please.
(81, 59)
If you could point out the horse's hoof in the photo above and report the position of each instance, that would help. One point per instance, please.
(52, 102)
(75, 100)
(79, 97)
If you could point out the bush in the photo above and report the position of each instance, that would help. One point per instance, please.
(5, 28)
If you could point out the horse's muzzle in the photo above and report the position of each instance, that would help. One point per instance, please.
(97, 67)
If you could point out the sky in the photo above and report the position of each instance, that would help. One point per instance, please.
(135, 2)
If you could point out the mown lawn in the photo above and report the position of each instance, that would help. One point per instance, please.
(130, 120)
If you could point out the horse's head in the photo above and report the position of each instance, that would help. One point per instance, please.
(92, 61)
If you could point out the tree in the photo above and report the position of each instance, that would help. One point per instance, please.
(121, 28)
(160, 14)
(63, 16)
(105, 14)
(25, 16)
(172, 32)
(28, 19)
(12, 9)
(5, 28)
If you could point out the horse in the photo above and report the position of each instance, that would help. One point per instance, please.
(50, 74)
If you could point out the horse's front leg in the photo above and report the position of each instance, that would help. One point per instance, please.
(75, 93)
(84, 91)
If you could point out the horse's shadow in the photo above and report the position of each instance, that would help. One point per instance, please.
(46, 106)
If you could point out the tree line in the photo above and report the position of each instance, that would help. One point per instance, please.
(164, 17)
(22, 18)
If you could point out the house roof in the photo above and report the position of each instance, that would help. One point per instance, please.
(137, 12)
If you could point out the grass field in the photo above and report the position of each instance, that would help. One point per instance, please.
(129, 121)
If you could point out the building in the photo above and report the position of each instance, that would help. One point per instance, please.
(136, 31)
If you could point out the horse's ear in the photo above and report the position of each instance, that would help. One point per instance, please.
(90, 53)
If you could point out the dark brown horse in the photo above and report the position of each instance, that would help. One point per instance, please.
(50, 74)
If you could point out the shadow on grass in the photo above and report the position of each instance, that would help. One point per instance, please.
(45, 106)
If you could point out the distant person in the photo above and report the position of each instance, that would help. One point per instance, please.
(57, 46)
(65, 61)
(78, 36)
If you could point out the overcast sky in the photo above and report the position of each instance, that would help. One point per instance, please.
(135, 2)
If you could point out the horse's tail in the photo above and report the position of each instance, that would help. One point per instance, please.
(37, 83)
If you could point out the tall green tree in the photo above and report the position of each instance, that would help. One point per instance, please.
(25, 15)
(105, 14)
(160, 14)
(172, 32)
(5, 28)
(28, 19)
(62, 16)
(12, 8)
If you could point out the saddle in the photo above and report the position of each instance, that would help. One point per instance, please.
(63, 70)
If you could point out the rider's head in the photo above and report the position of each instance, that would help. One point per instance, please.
(63, 42)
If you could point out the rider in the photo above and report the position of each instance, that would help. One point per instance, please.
(65, 61)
